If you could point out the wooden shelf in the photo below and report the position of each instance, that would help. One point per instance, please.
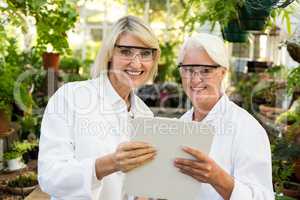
(8, 133)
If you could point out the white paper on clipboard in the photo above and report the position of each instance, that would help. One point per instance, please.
(159, 178)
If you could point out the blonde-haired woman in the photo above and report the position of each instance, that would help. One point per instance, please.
(84, 144)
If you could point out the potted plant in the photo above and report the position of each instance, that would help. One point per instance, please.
(52, 23)
(14, 155)
(233, 32)
(23, 184)
(214, 11)
(30, 149)
(253, 15)
(14, 160)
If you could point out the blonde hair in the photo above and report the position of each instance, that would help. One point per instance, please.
(127, 24)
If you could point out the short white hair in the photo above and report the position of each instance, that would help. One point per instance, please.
(213, 45)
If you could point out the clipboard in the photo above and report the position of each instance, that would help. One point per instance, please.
(160, 178)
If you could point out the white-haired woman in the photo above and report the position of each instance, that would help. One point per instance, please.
(238, 166)
(84, 144)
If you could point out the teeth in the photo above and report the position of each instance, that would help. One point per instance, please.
(198, 88)
(133, 73)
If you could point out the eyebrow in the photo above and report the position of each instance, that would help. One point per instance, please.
(136, 47)
(198, 65)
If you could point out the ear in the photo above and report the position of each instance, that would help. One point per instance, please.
(223, 71)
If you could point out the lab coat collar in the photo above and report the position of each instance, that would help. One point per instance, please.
(110, 93)
(109, 96)
(219, 110)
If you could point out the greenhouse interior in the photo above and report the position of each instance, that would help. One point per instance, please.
(46, 44)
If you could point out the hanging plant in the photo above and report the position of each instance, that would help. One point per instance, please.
(213, 11)
(233, 32)
(254, 14)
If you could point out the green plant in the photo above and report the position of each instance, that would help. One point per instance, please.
(293, 81)
(283, 155)
(27, 180)
(53, 21)
(24, 146)
(11, 67)
(70, 63)
(288, 117)
(13, 63)
(17, 149)
(74, 77)
(211, 10)
(29, 124)
(10, 155)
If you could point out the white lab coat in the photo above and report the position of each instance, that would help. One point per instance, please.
(83, 121)
(241, 147)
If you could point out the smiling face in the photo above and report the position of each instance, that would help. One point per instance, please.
(202, 89)
(129, 73)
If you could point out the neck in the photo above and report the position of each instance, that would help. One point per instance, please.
(122, 89)
(201, 110)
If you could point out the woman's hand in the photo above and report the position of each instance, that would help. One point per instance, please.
(206, 170)
(130, 155)
(203, 169)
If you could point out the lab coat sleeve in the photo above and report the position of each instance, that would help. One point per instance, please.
(60, 174)
(252, 164)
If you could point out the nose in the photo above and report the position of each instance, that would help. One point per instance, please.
(196, 78)
(136, 62)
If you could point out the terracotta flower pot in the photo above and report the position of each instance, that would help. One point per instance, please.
(4, 122)
(297, 169)
(291, 189)
(51, 61)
